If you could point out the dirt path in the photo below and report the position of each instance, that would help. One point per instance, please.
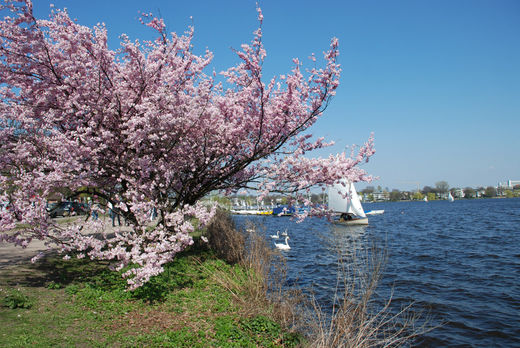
(11, 255)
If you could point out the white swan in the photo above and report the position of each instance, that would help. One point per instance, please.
(276, 236)
(283, 246)
(284, 233)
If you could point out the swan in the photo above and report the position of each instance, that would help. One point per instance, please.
(284, 233)
(276, 236)
(283, 246)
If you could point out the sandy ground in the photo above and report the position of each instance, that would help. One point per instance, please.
(11, 255)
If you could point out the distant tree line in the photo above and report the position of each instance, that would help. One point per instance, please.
(371, 193)
(439, 191)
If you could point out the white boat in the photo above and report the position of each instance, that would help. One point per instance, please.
(375, 212)
(425, 199)
(450, 197)
(345, 200)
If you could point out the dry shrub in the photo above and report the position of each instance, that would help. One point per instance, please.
(268, 287)
(356, 320)
(259, 286)
(224, 239)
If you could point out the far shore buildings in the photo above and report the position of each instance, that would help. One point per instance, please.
(509, 184)
(501, 188)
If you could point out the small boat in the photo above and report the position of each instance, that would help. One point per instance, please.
(344, 199)
(374, 212)
(425, 199)
(283, 210)
(450, 197)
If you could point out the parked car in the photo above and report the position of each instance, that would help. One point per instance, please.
(51, 206)
(68, 209)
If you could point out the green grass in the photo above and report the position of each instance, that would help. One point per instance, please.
(60, 303)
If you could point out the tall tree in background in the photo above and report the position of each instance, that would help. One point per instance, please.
(427, 189)
(490, 192)
(469, 192)
(395, 195)
(144, 127)
(442, 187)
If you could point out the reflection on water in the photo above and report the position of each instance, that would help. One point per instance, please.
(347, 239)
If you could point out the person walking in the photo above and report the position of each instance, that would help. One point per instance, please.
(94, 207)
(112, 213)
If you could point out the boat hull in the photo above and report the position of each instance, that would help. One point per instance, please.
(360, 221)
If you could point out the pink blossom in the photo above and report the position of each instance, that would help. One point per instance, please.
(146, 129)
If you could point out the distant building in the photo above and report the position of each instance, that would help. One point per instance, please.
(407, 195)
(509, 184)
(381, 196)
(443, 195)
(458, 193)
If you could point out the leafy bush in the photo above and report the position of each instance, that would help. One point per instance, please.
(261, 325)
(54, 285)
(72, 289)
(16, 299)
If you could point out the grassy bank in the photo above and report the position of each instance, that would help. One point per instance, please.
(81, 303)
(228, 292)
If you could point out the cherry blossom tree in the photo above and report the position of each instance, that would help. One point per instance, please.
(144, 127)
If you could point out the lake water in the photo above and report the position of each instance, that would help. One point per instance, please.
(458, 261)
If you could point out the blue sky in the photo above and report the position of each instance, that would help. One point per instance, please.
(437, 82)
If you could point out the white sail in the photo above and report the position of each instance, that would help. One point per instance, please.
(355, 206)
(450, 197)
(349, 204)
(336, 201)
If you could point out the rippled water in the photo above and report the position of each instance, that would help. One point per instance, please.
(459, 261)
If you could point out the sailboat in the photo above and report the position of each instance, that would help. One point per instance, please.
(425, 198)
(450, 197)
(345, 200)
